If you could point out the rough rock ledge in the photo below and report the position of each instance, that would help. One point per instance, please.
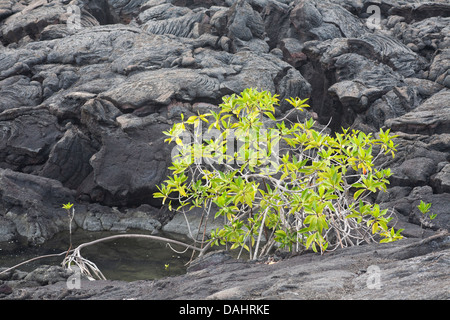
(407, 269)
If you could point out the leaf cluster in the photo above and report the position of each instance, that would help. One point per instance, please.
(277, 182)
(424, 208)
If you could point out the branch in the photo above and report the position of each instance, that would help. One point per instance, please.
(76, 252)
(85, 264)
(34, 259)
(138, 236)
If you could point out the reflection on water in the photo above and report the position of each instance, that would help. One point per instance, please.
(119, 259)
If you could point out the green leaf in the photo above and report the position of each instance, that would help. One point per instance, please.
(424, 207)
(155, 195)
(353, 215)
(280, 233)
(310, 239)
(270, 115)
(311, 220)
(358, 193)
(67, 206)
(375, 227)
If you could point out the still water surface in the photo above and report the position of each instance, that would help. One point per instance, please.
(120, 259)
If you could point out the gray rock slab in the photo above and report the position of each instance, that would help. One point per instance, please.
(405, 270)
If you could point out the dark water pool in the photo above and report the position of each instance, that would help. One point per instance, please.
(120, 259)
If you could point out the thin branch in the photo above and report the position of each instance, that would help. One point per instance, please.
(260, 233)
(157, 238)
(34, 259)
(85, 264)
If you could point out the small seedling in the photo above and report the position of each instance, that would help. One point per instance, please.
(67, 206)
(71, 215)
(424, 208)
